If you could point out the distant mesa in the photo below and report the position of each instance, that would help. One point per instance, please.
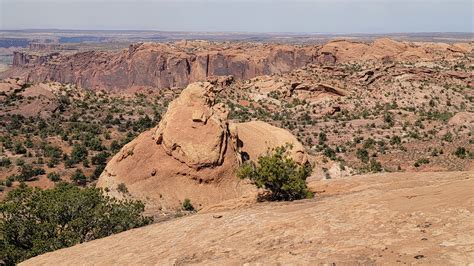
(161, 65)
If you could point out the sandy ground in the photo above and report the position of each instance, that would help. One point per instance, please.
(397, 218)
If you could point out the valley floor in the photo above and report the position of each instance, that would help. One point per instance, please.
(390, 218)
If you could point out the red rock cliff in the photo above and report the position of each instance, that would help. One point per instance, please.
(178, 64)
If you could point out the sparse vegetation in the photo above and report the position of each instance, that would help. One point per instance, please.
(281, 175)
(187, 205)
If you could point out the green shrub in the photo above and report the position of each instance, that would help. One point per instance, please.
(79, 178)
(461, 152)
(187, 206)
(5, 162)
(395, 140)
(122, 188)
(98, 170)
(36, 221)
(280, 174)
(322, 138)
(28, 172)
(375, 166)
(100, 158)
(448, 137)
(369, 143)
(421, 161)
(53, 176)
(19, 148)
(79, 153)
(363, 155)
(330, 153)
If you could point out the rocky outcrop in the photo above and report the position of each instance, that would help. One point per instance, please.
(193, 153)
(257, 138)
(39, 46)
(205, 142)
(391, 50)
(26, 60)
(163, 65)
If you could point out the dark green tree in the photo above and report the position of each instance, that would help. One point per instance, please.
(280, 174)
(35, 221)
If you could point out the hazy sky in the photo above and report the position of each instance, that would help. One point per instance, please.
(326, 16)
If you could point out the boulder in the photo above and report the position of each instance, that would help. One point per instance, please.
(204, 141)
(193, 153)
(258, 138)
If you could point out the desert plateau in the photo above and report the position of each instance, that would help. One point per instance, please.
(237, 147)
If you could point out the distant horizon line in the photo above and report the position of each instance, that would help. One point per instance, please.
(238, 32)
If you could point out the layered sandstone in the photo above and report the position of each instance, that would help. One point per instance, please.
(163, 65)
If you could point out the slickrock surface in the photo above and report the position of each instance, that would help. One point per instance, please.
(178, 64)
(392, 218)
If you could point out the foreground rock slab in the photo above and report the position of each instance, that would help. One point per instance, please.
(396, 218)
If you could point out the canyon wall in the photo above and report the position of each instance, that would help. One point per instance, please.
(163, 65)
(159, 65)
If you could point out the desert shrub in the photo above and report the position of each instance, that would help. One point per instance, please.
(461, 152)
(187, 205)
(363, 155)
(53, 176)
(51, 151)
(143, 124)
(122, 188)
(388, 118)
(94, 143)
(100, 158)
(78, 154)
(369, 143)
(19, 148)
(28, 172)
(79, 178)
(448, 137)
(395, 140)
(375, 166)
(5, 162)
(330, 153)
(322, 137)
(280, 174)
(36, 221)
(421, 161)
(115, 146)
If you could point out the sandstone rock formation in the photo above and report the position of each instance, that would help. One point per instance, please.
(391, 50)
(205, 142)
(168, 65)
(258, 138)
(160, 65)
(40, 99)
(193, 153)
(384, 219)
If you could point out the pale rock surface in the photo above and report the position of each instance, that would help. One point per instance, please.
(259, 138)
(383, 219)
(193, 153)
